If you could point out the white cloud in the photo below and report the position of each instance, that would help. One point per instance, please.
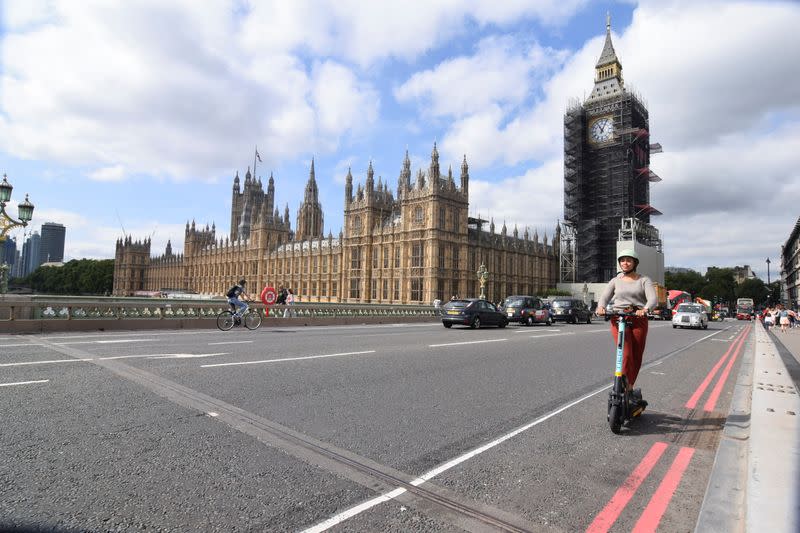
(115, 173)
(165, 89)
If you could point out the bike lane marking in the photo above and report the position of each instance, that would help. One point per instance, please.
(666, 489)
(465, 342)
(24, 383)
(606, 518)
(711, 402)
(692, 402)
(286, 359)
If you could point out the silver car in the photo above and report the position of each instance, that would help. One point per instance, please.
(690, 316)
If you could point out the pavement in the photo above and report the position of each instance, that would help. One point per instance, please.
(755, 482)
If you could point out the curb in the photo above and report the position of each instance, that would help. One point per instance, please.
(725, 503)
(753, 484)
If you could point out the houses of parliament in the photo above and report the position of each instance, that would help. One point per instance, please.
(406, 249)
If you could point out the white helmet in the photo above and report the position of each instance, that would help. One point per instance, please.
(628, 252)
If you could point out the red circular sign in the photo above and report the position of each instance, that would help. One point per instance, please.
(268, 296)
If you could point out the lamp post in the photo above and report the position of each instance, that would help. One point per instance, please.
(7, 223)
(768, 262)
(483, 275)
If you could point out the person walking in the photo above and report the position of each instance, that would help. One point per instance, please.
(288, 312)
(783, 317)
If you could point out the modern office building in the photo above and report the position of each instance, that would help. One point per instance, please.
(30, 253)
(51, 249)
(607, 173)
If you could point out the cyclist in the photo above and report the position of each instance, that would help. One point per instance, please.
(233, 299)
(629, 289)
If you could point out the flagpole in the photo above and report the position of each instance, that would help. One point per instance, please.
(254, 163)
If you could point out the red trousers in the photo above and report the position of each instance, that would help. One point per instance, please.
(635, 339)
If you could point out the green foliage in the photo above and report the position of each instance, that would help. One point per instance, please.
(755, 289)
(691, 282)
(77, 277)
(720, 287)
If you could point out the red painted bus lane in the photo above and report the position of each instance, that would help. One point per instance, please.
(711, 403)
(666, 489)
(606, 518)
(692, 403)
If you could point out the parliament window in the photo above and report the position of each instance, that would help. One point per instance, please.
(357, 225)
(374, 290)
(375, 252)
(417, 255)
(419, 216)
(397, 289)
(355, 259)
(441, 256)
(385, 257)
(416, 289)
(397, 248)
(442, 218)
(386, 289)
(355, 288)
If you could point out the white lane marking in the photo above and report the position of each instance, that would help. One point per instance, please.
(20, 345)
(46, 362)
(658, 373)
(552, 335)
(234, 342)
(341, 517)
(184, 355)
(720, 340)
(160, 356)
(287, 359)
(119, 341)
(466, 342)
(24, 382)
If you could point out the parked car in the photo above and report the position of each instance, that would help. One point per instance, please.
(571, 310)
(472, 312)
(690, 316)
(528, 310)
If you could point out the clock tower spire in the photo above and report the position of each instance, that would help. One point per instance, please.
(608, 70)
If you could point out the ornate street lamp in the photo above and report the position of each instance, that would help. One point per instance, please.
(7, 223)
(483, 275)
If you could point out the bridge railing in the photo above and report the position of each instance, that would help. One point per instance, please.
(56, 308)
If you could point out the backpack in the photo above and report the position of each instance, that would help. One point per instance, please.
(282, 297)
(232, 292)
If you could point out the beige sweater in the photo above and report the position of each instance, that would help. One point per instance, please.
(624, 293)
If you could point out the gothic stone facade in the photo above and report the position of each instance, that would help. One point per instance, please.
(410, 249)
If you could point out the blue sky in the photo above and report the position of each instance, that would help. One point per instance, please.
(137, 115)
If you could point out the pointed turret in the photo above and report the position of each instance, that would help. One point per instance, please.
(464, 175)
(236, 182)
(348, 188)
(404, 181)
(434, 170)
(370, 179)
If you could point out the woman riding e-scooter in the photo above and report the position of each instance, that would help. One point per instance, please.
(629, 289)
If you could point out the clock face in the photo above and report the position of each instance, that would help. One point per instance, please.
(602, 130)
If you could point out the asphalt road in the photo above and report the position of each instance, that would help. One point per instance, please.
(409, 427)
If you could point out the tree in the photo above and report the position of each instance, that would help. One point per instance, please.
(753, 288)
(691, 281)
(83, 276)
(720, 286)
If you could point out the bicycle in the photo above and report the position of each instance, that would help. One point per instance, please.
(251, 318)
(619, 397)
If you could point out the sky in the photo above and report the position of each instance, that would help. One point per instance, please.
(132, 118)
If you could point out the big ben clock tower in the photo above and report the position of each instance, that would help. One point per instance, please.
(606, 167)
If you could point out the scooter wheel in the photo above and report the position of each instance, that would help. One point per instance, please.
(615, 419)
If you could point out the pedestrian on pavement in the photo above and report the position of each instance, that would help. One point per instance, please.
(288, 312)
(783, 316)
